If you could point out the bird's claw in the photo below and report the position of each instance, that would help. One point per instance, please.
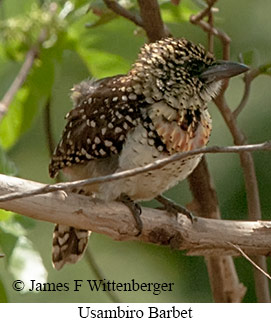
(174, 208)
(135, 210)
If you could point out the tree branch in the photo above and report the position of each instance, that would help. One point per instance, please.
(121, 11)
(135, 171)
(210, 29)
(18, 81)
(248, 78)
(202, 237)
(152, 21)
(21, 76)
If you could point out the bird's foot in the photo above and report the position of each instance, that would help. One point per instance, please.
(135, 210)
(174, 208)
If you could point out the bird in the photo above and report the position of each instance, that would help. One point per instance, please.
(120, 122)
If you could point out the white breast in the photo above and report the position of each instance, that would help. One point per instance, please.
(137, 152)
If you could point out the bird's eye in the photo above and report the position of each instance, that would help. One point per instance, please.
(196, 67)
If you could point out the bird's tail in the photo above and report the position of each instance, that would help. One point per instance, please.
(69, 245)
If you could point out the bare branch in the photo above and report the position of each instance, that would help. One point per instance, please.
(121, 11)
(135, 171)
(18, 82)
(152, 21)
(202, 237)
(248, 78)
(21, 76)
(210, 29)
(224, 280)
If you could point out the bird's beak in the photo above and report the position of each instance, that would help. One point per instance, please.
(222, 70)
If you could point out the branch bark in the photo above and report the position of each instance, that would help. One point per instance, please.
(202, 237)
(121, 11)
(152, 21)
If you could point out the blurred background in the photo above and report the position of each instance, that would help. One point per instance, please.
(87, 40)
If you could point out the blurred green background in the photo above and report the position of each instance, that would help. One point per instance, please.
(107, 47)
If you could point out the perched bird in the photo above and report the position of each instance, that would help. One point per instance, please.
(155, 110)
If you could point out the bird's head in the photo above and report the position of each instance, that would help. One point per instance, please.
(178, 68)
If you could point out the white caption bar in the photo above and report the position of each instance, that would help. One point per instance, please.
(139, 312)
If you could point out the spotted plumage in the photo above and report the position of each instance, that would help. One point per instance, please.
(155, 110)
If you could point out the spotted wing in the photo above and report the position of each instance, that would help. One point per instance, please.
(105, 111)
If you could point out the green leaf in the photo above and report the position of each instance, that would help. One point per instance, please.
(249, 57)
(104, 17)
(102, 64)
(176, 14)
(3, 294)
(12, 227)
(265, 69)
(6, 165)
(40, 82)
(28, 99)
(7, 243)
(26, 264)
(10, 127)
(24, 221)
(5, 215)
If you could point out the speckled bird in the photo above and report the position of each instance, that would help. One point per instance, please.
(117, 123)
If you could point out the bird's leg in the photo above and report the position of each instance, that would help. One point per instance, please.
(173, 207)
(135, 210)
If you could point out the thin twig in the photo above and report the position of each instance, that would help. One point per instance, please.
(250, 260)
(21, 76)
(210, 34)
(121, 11)
(205, 11)
(205, 26)
(266, 146)
(48, 127)
(18, 81)
(248, 78)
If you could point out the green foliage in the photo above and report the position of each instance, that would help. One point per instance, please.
(22, 260)
(6, 165)
(10, 127)
(3, 295)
